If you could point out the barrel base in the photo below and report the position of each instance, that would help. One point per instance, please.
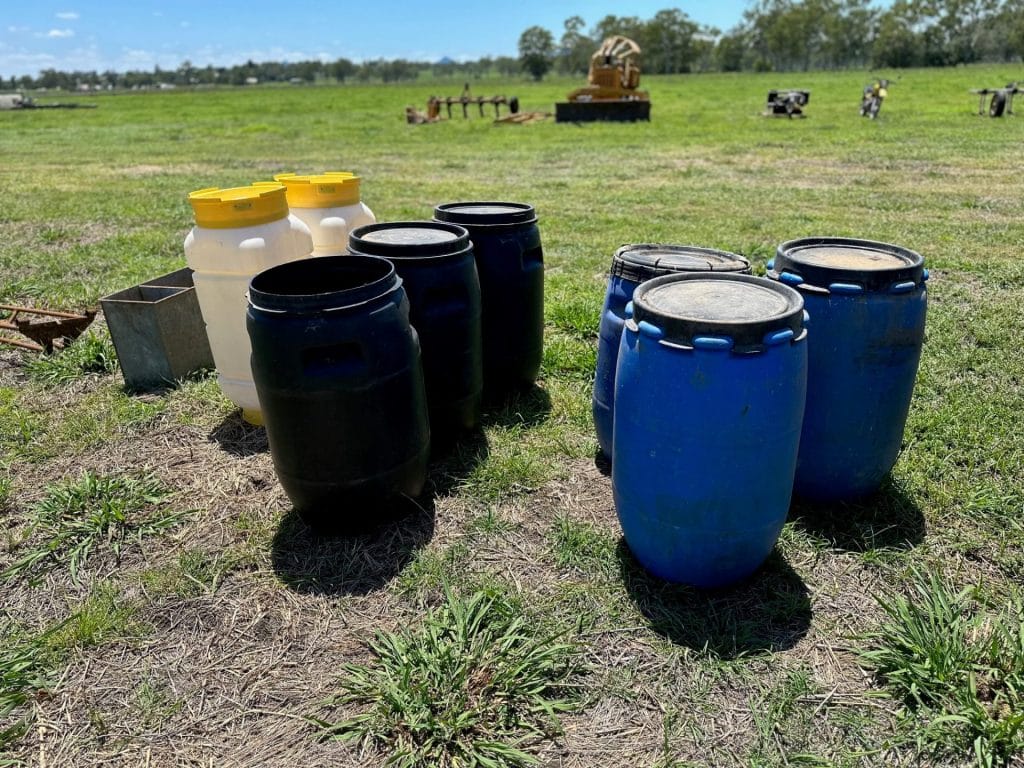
(453, 420)
(334, 509)
(251, 416)
(839, 491)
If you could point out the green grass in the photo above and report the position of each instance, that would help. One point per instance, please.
(957, 667)
(23, 671)
(104, 615)
(473, 684)
(93, 201)
(583, 547)
(90, 354)
(195, 572)
(95, 511)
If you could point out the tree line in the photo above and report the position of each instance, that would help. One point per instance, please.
(796, 35)
(338, 71)
(773, 35)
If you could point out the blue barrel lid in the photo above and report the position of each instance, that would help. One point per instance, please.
(408, 239)
(742, 308)
(644, 261)
(326, 283)
(823, 261)
(476, 214)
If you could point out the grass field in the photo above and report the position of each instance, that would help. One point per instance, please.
(162, 605)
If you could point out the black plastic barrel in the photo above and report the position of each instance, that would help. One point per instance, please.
(337, 369)
(435, 262)
(510, 262)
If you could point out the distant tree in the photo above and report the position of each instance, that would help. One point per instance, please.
(506, 66)
(896, 44)
(342, 69)
(445, 68)
(629, 26)
(536, 51)
(482, 66)
(731, 51)
(704, 50)
(48, 78)
(575, 48)
(669, 42)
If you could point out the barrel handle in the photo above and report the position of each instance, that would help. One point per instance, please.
(650, 330)
(791, 278)
(846, 289)
(774, 338)
(444, 299)
(343, 358)
(904, 287)
(712, 342)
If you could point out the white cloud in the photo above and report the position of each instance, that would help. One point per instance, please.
(60, 33)
(67, 15)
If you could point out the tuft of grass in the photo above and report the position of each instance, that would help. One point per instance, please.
(922, 650)
(102, 616)
(5, 492)
(960, 669)
(75, 518)
(196, 572)
(431, 570)
(18, 426)
(89, 354)
(471, 685)
(512, 468)
(22, 673)
(580, 545)
(155, 703)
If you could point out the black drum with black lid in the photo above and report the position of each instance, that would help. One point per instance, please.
(340, 383)
(510, 262)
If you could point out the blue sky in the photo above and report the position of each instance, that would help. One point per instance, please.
(139, 34)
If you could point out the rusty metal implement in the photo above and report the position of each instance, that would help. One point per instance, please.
(42, 333)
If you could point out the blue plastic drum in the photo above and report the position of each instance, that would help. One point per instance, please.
(709, 396)
(632, 265)
(867, 303)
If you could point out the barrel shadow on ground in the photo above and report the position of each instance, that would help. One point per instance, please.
(888, 519)
(451, 466)
(312, 564)
(770, 611)
(525, 407)
(602, 462)
(239, 438)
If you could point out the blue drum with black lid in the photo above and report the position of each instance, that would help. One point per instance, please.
(709, 397)
(632, 265)
(867, 302)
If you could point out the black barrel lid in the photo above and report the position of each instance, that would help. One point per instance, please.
(408, 239)
(644, 261)
(475, 214)
(325, 283)
(740, 307)
(822, 261)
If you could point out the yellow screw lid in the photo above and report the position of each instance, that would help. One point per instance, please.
(323, 190)
(239, 206)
